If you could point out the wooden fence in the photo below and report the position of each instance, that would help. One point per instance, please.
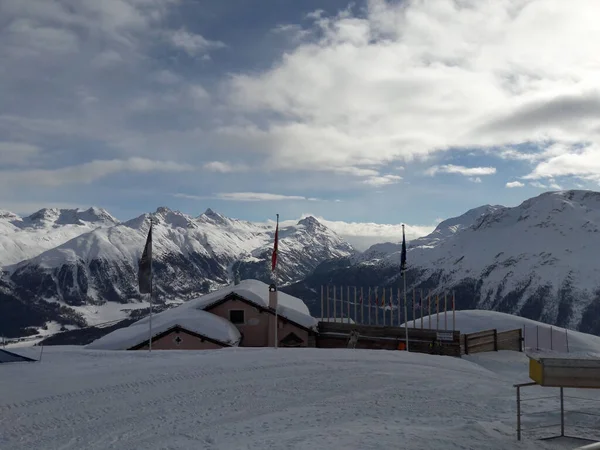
(335, 335)
(491, 340)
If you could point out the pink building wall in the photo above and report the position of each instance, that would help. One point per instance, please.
(187, 342)
(256, 327)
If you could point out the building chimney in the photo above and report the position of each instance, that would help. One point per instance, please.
(236, 275)
(273, 296)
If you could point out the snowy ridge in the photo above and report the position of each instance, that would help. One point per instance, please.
(25, 238)
(538, 260)
(94, 274)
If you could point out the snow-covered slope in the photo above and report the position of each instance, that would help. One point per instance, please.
(242, 398)
(539, 260)
(96, 271)
(23, 238)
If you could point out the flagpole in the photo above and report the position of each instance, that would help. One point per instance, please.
(275, 279)
(151, 288)
(405, 314)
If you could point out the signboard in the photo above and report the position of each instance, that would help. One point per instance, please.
(445, 336)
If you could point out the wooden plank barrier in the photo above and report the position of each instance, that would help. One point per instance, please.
(491, 341)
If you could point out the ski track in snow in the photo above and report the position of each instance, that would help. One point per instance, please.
(259, 399)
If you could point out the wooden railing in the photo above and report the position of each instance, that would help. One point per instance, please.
(335, 335)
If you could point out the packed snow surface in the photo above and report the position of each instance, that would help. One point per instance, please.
(241, 398)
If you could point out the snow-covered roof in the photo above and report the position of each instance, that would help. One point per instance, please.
(257, 292)
(197, 321)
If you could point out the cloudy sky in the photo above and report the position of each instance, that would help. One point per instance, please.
(376, 112)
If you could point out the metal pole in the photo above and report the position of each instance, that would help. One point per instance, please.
(399, 307)
(362, 307)
(518, 413)
(151, 290)
(405, 313)
(437, 311)
(429, 307)
(355, 314)
(369, 307)
(421, 303)
(453, 312)
(562, 413)
(321, 303)
(334, 304)
(348, 301)
(445, 310)
(391, 307)
(328, 302)
(342, 303)
(414, 314)
(376, 305)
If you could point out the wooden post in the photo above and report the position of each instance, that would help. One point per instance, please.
(495, 340)
(421, 307)
(562, 412)
(518, 412)
(445, 311)
(466, 343)
(355, 314)
(520, 339)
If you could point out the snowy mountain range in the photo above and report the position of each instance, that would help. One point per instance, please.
(540, 260)
(71, 268)
(80, 267)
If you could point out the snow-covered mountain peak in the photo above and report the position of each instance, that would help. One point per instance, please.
(53, 217)
(311, 224)
(7, 215)
(175, 219)
(210, 216)
(560, 211)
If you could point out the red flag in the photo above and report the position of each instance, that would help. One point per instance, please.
(274, 255)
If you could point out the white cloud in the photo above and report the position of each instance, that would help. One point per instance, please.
(461, 170)
(17, 153)
(382, 180)
(224, 167)
(193, 44)
(475, 180)
(88, 172)
(364, 234)
(247, 197)
(579, 161)
(514, 184)
(408, 79)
